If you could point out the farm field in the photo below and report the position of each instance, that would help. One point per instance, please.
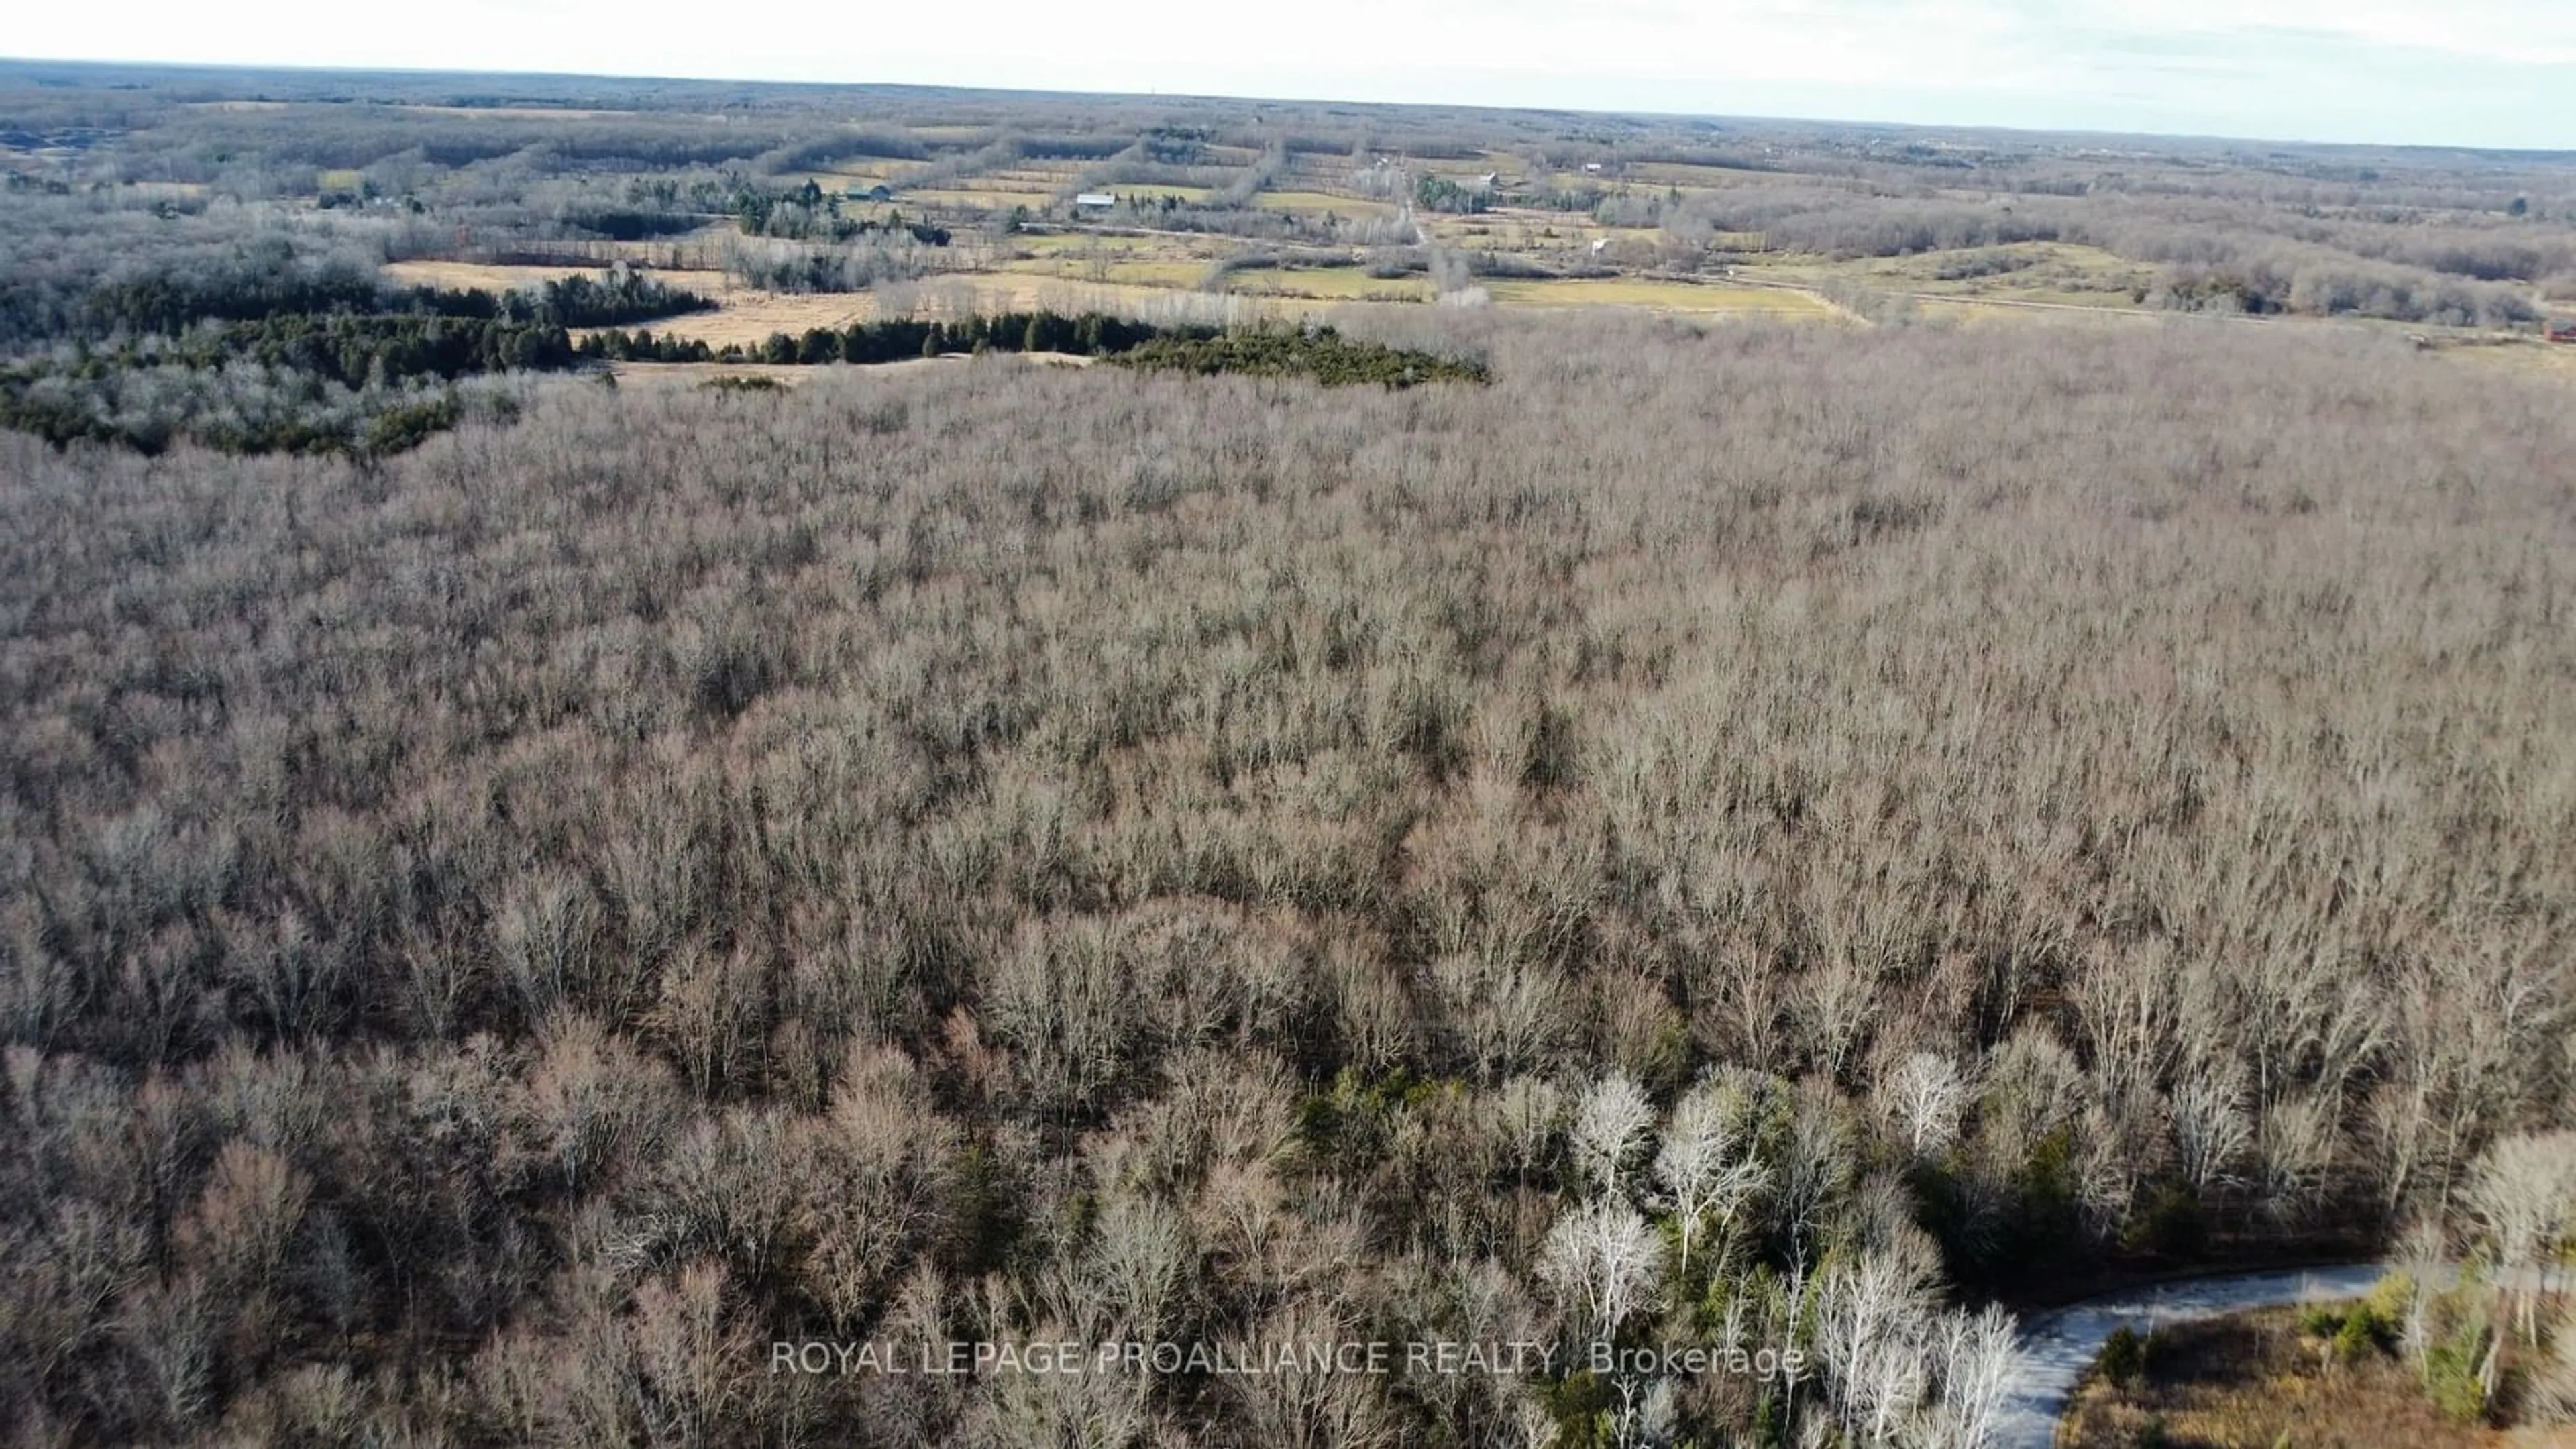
(1320, 203)
(1054, 244)
(2051, 272)
(1176, 274)
(975, 197)
(1657, 295)
(485, 277)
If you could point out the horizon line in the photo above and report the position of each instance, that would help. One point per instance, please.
(10, 61)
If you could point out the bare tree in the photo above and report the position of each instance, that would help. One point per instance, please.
(1603, 1258)
(1706, 1162)
(1973, 1356)
(1924, 1094)
(1529, 1113)
(1611, 1128)
(1873, 1317)
(2523, 1192)
(2211, 1134)
(2296, 1147)
(2128, 1015)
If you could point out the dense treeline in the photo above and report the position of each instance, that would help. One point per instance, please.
(895, 339)
(347, 348)
(618, 296)
(278, 356)
(1318, 353)
(266, 277)
(335, 382)
(168, 305)
(1751, 838)
(91, 393)
(242, 407)
(869, 259)
(807, 214)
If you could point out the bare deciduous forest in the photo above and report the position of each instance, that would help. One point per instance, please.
(1740, 834)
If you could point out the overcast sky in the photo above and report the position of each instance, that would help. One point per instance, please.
(2457, 72)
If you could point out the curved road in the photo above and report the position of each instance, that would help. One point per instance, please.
(2057, 1346)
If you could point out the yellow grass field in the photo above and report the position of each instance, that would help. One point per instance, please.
(1661, 296)
(1057, 243)
(1179, 273)
(1159, 287)
(476, 276)
(2555, 360)
(749, 317)
(976, 198)
(1317, 202)
(2057, 273)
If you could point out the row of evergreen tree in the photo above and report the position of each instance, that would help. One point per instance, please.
(166, 304)
(361, 373)
(1090, 334)
(1321, 353)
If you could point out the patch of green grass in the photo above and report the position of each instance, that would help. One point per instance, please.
(1319, 202)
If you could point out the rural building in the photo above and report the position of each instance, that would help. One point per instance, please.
(1095, 198)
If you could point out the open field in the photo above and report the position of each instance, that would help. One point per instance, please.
(481, 277)
(2053, 272)
(747, 316)
(1665, 296)
(1319, 203)
(2520, 357)
(1053, 244)
(1177, 275)
(975, 198)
